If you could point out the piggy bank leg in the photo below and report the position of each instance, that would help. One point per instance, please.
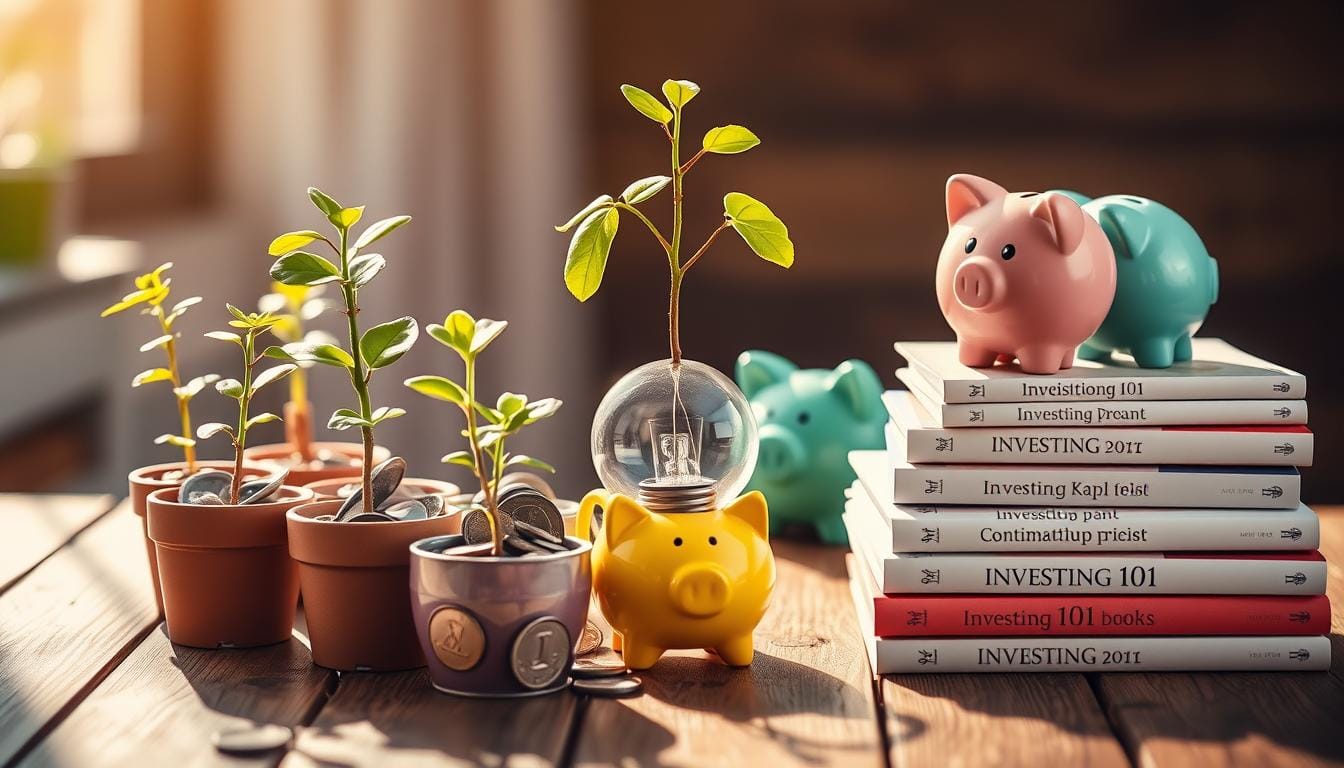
(638, 655)
(1154, 353)
(974, 355)
(1183, 349)
(831, 530)
(1044, 358)
(736, 652)
(1095, 354)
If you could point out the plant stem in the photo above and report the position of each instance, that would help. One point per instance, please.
(667, 248)
(674, 254)
(478, 459)
(358, 378)
(240, 436)
(691, 261)
(183, 409)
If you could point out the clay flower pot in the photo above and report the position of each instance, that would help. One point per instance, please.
(490, 626)
(354, 579)
(145, 480)
(282, 454)
(327, 489)
(228, 580)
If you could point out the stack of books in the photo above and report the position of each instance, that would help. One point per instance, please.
(1107, 517)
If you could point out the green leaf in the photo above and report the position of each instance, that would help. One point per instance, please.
(260, 418)
(588, 251)
(225, 336)
(347, 217)
(156, 343)
(324, 202)
(384, 344)
(229, 387)
(194, 387)
(236, 312)
(489, 414)
(528, 461)
(488, 436)
(292, 241)
(757, 224)
(679, 92)
(378, 229)
(644, 188)
(439, 388)
(543, 408)
(179, 308)
(212, 428)
(279, 353)
(303, 268)
(327, 354)
(486, 332)
(150, 376)
(272, 374)
(178, 440)
(460, 458)
(456, 333)
(602, 201)
(384, 413)
(647, 104)
(344, 418)
(729, 140)
(364, 267)
(509, 403)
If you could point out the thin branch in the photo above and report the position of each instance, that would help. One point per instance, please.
(691, 261)
(667, 247)
(690, 163)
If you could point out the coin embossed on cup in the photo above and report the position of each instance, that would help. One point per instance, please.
(250, 739)
(590, 640)
(625, 685)
(457, 638)
(541, 653)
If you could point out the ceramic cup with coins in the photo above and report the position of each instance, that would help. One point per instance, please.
(225, 570)
(354, 569)
(503, 625)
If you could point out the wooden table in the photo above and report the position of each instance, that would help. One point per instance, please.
(88, 677)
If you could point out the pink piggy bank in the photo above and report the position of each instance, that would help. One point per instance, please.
(1022, 274)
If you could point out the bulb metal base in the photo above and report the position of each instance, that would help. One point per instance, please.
(680, 494)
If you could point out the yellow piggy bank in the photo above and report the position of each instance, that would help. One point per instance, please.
(683, 579)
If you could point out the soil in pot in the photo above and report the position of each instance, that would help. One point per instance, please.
(227, 577)
(354, 578)
(499, 626)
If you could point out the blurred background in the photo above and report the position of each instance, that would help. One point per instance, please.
(134, 132)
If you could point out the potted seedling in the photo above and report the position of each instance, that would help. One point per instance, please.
(501, 605)
(352, 552)
(151, 294)
(228, 580)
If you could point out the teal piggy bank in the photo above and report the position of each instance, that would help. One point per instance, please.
(809, 422)
(1165, 281)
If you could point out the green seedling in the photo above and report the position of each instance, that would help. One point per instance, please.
(293, 306)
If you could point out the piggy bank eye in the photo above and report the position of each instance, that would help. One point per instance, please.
(676, 542)
(1008, 252)
(804, 417)
(713, 541)
(970, 245)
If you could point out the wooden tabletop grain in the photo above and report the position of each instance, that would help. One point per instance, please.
(88, 677)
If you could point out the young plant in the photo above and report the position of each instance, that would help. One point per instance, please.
(152, 290)
(252, 326)
(486, 457)
(292, 306)
(376, 348)
(763, 232)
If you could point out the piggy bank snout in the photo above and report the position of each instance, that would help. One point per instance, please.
(781, 454)
(978, 284)
(700, 589)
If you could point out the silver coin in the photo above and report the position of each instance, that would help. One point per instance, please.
(476, 526)
(536, 535)
(535, 510)
(215, 481)
(517, 545)
(258, 491)
(529, 479)
(250, 739)
(406, 510)
(383, 483)
(540, 653)
(204, 497)
(609, 686)
(433, 504)
(592, 669)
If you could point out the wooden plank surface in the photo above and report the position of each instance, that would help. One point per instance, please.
(67, 623)
(807, 698)
(168, 700)
(32, 526)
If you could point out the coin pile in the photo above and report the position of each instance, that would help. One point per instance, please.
(600, 675)
(529, 522)
(211, 487)
(391, 502)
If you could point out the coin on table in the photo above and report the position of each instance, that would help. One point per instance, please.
(590, 640)
(456, 637)
(609, 686)
(585, 668)
(248, 739)
(535, 510)
(540, 653)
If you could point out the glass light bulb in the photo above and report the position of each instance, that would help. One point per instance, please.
(670, 427)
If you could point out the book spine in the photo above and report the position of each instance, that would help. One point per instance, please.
(1104, 414)
(1090, 654)
(1070, 616)
(1062, 388)
(1091, 487)
(1101, 574)
(1108, 446)
(1100, 529)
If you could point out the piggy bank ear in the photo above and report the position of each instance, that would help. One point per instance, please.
(622, 514)
(751, 510)
(856, 384)
(1126, 228)
(758, 369)
(1064, 219)
(965, 193)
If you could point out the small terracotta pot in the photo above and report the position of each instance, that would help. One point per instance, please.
(354, 586)
(281, 454)
(145, 480)
(473, 615)
(326, 489)
(228, 580)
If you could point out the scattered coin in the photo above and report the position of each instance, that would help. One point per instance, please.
(457, 638)
(386, 477)
(540, 653)
(410, 509)
(257, 491)
(250, 739)
(215, 481)
(471, 550)
(624, 685)
(590, 640)
(204, 497)
(590, 669)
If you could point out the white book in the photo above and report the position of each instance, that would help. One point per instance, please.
(1218, 371)
(1132, 573)
(1093, 529)
(1102, 413)
(928, 443)
(1082, 485)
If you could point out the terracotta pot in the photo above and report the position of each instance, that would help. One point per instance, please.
(354, 579)
(326, 489)
(471, 612)
(147, 479)
(228, 580)
(281, 454)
